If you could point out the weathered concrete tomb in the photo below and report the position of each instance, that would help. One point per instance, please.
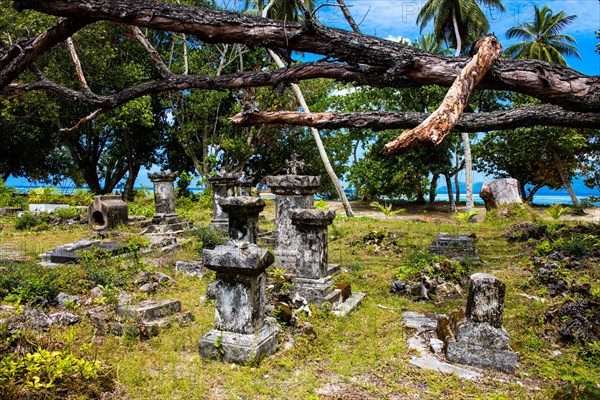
(243, 212)
(477, 337)
(242, 333)
(223, 185)
(458, 247)
(314, 276)
(106, 212)
(292, 191)
(165, 220)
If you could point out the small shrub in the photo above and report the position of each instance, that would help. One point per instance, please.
(68, 213)
(555, 211)
(27, 221)
(46, 195)
(207, 238)
(321, 205)
(466, 216)
(387, 209)
(80, 197)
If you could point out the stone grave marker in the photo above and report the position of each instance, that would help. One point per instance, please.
(223, 185)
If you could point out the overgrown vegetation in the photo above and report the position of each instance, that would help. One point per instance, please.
(327, 352)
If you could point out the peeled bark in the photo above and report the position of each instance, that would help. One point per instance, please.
(442, 121)
(546, 114)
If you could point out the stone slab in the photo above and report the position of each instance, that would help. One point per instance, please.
(151, 310)
(349, 305)
(240, 348)
(481, 357)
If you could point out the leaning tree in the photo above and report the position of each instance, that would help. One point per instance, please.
(569, 98)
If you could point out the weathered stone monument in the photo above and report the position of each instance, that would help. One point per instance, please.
(459, 247)
(500, 191)
(244, 187)
(164, 192)
(293, 191)
(242, 334)
(107, 212)
(314, 276)
(477, 337)
(223, 185)
(243, 214)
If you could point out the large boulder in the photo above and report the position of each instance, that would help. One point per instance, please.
(500, 191)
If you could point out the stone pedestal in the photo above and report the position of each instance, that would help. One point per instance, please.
(500, 191)
(313, 276)
(478, 339)
(223, 185)
(107, 212)
(164, 191)
(293, 191)
(243, 214)
(242, 334)
(244, 188)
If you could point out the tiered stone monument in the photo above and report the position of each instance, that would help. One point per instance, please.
(165, 220)
(223, 185)
(244, 187)
(107, 212)
(314, 275)
(243, 214)
(477, 337)
(242, 333)
(293, 191)
(164, 193)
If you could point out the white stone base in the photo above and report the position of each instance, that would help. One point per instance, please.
(239, 348)
(349, 305)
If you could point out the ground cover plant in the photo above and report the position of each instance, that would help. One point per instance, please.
(320, 356)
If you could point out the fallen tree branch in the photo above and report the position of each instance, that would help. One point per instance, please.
(548, 82)
(21, 55)
(443, 120)
(545, 114)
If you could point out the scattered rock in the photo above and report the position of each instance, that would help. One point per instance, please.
(64, 300)
(64, 318)
(523, 231)
(307, 329)
(148, 287)
(577, 321)
(436, 345)
(499, 192)
(190, 268)
(211, 291)
(30, 318)
(399, 287)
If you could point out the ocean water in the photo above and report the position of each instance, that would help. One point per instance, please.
(539, 200)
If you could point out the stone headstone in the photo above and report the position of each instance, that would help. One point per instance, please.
(164, 191)
(500, 191)
(244, 187)
(242, 334)
(314, 276)
(458, 247)
(243, 212)
(106, 212)
(478, 339)
(223, 185)
(292, 191)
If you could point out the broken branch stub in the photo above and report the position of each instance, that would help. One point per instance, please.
(441, 122)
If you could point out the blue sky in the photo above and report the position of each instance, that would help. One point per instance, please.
(392, 19)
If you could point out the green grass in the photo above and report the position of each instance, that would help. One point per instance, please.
(364, 355)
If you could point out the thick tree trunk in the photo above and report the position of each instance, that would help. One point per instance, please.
(456, 166)
(130, 182)
(450, 194)
(470, 203)
(441, 122)
(432, 189)
(566, 180)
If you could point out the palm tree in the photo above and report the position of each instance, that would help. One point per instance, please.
(295, 4)
(542, 39)
(429, 43)
(457, 21)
